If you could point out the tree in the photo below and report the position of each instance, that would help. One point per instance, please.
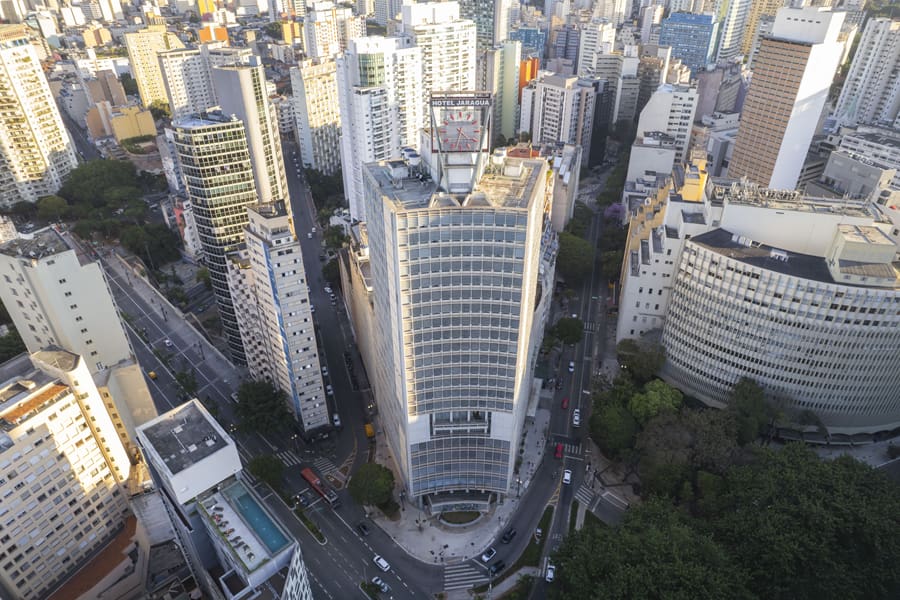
(614, 429)
(575, 259)
(11, 345)
(89, 181)
(160, 110)
(642, 364)
(155, 243)
(748, 403)
(372, 485)
(52, 208)
(268, 469)
(569, 330)
(806, 528)
(331, 272)
(204, 277)
(262, 407)
(24, 209)
(128, 84)
(656, 397)
(656, 553)
(335, 237)
(611, 263)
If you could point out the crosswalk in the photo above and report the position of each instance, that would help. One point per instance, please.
(463, 577)
(323, 466)
(288, 458)
(591, 326)
(572, 449)
(585, 495)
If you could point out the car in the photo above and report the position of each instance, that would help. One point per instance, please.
(328, 290)
(313, 229)
(571, 366)
(565, 403)
(381, 563)
(336, 419)
(151, 375)
(551, 573)
(559, 451)
(325, 371)
(576, 418)
(168, 343)
(329, 390)
(567, 476)
(488, 554)
(363, 529)
(312, 308)
(496, 568)
(508, 536)
(309, 235)
(384, 587)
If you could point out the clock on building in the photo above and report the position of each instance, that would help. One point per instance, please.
(460, 130)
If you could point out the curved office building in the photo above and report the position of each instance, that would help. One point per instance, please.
(821, 333)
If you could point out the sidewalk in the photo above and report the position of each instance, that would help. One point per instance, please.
(423, 537)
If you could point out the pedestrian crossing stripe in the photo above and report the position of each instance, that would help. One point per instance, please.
(463, 576)
(324, 466)
(590, 326)
(585, 496)
(573, 448)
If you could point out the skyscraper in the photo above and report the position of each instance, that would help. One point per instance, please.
(36, 153)
(327, 28)
(491, 18)
(692, 38)
(143, 47)
(871, 92)
(317, 114)
(597, 37)
(187, 76)
(214, 159)
(758, 8)
(381, 95)
(502, 80)
(455, 258)
(269, 290)
(733, 16)
(670, 110)
(241, 90)
(791, 79)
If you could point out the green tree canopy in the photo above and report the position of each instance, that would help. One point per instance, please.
(89, 181)
(655, 553)
(611, 263)
(160, 109)
(129, 84)
(569, 330)
(335, 238)
(52, 208)
(155, 243)
(204, 277)
(262, 407)
(752, 412)
(614, 429)
(641, 363)
(11, 345)
(656, 397)
(576, 257)
(268, 469)
(372, 485)
(331, 272)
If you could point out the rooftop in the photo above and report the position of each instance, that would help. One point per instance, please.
(207, 119)
(865, 235)
(39, 244)
(184, 437)
(740, 192)
(59, 358)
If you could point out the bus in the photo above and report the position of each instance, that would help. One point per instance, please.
(321, 488)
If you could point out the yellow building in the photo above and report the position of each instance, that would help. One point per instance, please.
(143, 47)
(212, 33)
(131, 121)
(291, 32)
(206, 7)
(96, 36)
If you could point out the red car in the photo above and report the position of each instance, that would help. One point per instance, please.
(559, 451)
(565, 403)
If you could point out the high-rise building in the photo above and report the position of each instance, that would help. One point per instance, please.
(63, 472)
(758, 9)
(214, 160)
(732, 16)
(36, 153)
(791, 79)
(597, 37)
(670, 110)
(871, 92)
(615, 11)
(269, 291)
(381, 94)
(242, 92)
(557, 109)
(455, 252)
(692, 38)
(387, 10)
(491, 18)
(327, 28)
(187, 76)
(143, 47)
(317, 115)
(502, 69)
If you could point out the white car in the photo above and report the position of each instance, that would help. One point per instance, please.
(336, 418)
(382, 585)
(567, 477)
(381, 563)
(325, 371)
(329, 390)
(309, 235)
(168, 343)
(328, 290)
(571, 366)
(488, 554)
(551, 573)
(576, 418)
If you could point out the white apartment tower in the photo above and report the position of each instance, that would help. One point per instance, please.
(380, 92)
(187, 75)
(559, 109)
(269, 290)
(143, 47)
(317, 115)
(597, 37)
(501, 70)
(61, 473)
(491, 18)
(327, 28)
(792, 76)
(871, 92)
(733, 16)
(671, 110)
(36, 153)
(455, 257)
(242, 92)
(215, 163)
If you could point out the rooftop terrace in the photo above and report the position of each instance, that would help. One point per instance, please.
(184, 437)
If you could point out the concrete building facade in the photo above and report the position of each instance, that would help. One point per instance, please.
(559, 109)
(143, 47)
(317, 115)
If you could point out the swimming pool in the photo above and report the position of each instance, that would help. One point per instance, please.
(256, 518)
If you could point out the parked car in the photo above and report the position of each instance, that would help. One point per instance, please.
(567, 476)
(151, 374)
(336, 418)
(571, 366)
(381, 563)
(328, 289)
(576, 418)
(559, 451)
(508, 536)
(488, 554)
(168, 343)
(363, 529)
(384, 587)
(325, 371)
(565, 403)
(496, 568)
(551, 573)
(329, 390)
